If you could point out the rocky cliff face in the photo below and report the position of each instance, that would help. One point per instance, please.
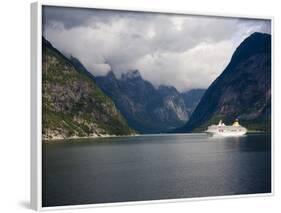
(72, 104)
(192, 98)
(242, 91)
(146, 108)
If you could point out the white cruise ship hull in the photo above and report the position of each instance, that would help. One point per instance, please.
(226, 134)
(222, 130)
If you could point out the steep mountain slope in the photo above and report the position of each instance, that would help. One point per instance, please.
(71, 102)
(192, 98)
(146, 108)
(242, 91)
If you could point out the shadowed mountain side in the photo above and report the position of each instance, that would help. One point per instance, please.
(192, 98)
(146, 108)
(242, 91)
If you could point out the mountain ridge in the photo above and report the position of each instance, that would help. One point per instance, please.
(146, 108)
(72, 104)
(241, 91)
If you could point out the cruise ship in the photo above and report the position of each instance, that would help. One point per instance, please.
(223, 130)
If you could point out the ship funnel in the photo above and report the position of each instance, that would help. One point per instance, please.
(236, 123)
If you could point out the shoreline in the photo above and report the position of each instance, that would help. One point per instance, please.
(117, 136)
(137, 135)
(85, 137)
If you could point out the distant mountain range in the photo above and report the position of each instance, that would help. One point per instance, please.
(77, 103)
(243, 90)
(146, 108)
(192, 98)
(72, 104)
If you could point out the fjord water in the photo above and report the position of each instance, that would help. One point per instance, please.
(152, 167)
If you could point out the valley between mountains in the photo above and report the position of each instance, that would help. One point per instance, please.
(76, 103)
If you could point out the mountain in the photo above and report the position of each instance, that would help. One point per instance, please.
(80, 67)
(243, 90)
(147, 109)
(192, 98)
(72, 104)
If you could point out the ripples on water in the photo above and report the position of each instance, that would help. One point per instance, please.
(152, 167)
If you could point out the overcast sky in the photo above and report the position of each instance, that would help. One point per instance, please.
(179, 50)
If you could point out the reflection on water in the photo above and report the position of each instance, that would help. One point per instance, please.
(100, 170)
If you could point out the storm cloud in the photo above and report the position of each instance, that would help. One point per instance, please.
(184, 51)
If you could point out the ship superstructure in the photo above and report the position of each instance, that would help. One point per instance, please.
(223, 130)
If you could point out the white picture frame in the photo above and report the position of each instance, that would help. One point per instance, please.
(36, 98)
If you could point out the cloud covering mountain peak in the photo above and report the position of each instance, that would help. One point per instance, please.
(181, 50)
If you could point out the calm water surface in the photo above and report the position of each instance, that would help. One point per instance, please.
(88, 171)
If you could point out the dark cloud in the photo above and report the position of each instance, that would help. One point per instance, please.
(71, 17)
(180, 50)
